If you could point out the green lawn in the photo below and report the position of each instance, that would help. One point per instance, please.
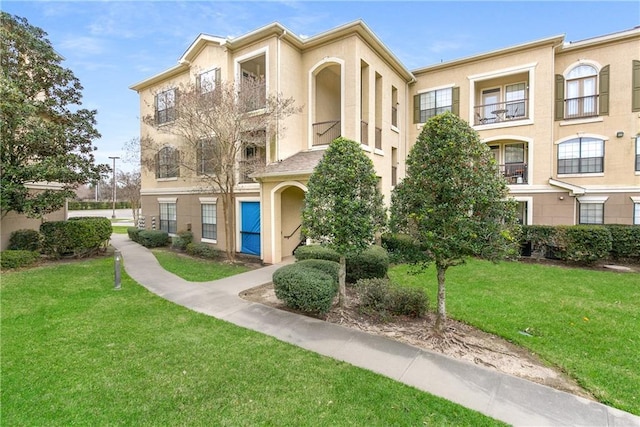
(194, 269)
(583, 321)
(75, 351)
(119, 229)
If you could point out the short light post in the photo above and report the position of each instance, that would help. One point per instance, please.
(117, 258)
(113, 215)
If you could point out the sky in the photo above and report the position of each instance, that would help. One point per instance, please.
(111, 45)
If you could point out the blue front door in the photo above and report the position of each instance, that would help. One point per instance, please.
(250, 228)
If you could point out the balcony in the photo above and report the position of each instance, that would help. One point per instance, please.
(514, 173)
(578, 108)
(325, 132)
(501, 112)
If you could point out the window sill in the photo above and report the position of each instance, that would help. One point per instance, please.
(366, 148)
(213, 241)
(581, 175)
(173, 178)
(395, 129)
(378, 151)
(569, 122)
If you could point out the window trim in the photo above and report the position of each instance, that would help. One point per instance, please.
(635, 213)
(169, 111)
(418, 111)
(208, 202)
(170, 167)
(591, 200)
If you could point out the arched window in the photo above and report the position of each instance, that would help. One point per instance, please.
(582, 92)
(167, 163)
(581, 155)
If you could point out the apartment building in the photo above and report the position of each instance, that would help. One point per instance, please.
(562, 120)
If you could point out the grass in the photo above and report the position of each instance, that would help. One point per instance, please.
(74, 351)
(120, 229)
(194, 269)
(586, 322)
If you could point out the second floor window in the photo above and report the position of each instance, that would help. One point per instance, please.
(166, 106)
(206, 157)
(429, 104)
(581, 155)
(167, 163)
(583, 92)
(206, 82)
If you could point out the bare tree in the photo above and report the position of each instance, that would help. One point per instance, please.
(223, 128)
(129, 184)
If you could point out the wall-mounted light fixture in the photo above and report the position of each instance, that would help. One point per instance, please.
(619, 134)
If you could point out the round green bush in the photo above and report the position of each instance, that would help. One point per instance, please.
(305, 288)
(203, 250)
(18, 258)
(381, 296)
(78, 237)
(316, 252)
(153, 238)
(181, 241)
(25, 240)
(332, 268)
(371, 263)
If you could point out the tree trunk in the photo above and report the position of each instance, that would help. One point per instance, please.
(441, 318)
(342, 290)
(229, 226)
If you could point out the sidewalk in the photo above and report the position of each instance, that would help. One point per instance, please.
(510, 399)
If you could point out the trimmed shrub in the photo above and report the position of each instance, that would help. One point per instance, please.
(584, 244)
(381, 297)
(316, 252)
(153, 238)
(203, 250)
(75, 205)
(79, 237)
(305, 288)
(134, 233)
(18, 258)
(181, 241)
(625, 241)
(373, 262)
(538, 238)
(332, 268)
(402, 248)
(25, 240)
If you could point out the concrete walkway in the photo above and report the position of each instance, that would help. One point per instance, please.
(504, 397)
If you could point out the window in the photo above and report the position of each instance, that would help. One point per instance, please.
(206, 157)
(591, 213)
(581, 155)
(429, 104)
(515, 96)
(167, 165)
(394, 106)
(206, 82)
(637, 153)
(209, 221)
(166, 106)
(636, 213)
(168, 220)
(253, 154)
(521, 212)
(581, 92)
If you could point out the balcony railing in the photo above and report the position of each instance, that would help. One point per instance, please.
(501, 112)
(515, 173)
(364, 133)
(378, 139)
(325, 132)
(584, 106)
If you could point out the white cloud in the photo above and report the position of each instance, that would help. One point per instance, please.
(81, 46)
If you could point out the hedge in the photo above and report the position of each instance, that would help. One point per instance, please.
(402, 248)
(75, 205)
(381, 296)
(18, 258)
(584, 244)
(79, 237)
(203, 250)
(181, 241)
(153, 238)
(372, 262)
(331, 268)
(625, 241)
(304, 288)
(25, 240)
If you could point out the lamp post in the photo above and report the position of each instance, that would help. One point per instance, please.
(113, 215)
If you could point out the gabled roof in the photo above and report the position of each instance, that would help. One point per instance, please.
(278, 30)
(301, 163)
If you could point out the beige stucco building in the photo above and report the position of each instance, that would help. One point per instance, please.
(562, 120)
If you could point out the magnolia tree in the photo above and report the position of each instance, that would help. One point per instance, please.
(343, 207)
(46, 137)
(223, 129)
(453, 201)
